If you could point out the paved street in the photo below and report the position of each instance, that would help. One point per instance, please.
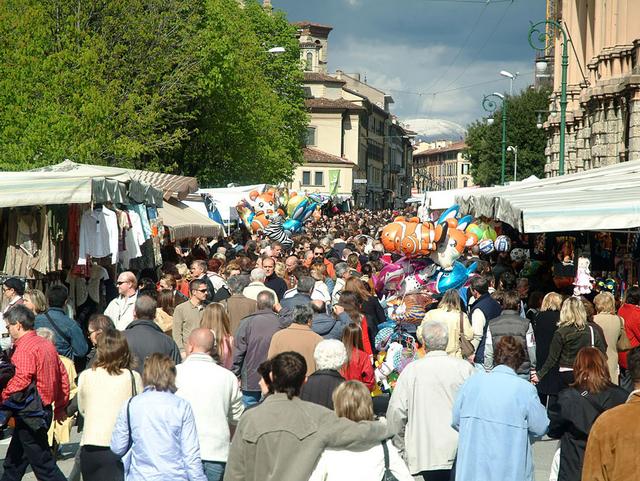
(543, 454)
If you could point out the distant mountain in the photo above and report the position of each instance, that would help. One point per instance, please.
(435, 129)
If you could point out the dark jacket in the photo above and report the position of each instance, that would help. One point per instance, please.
(374, 312)
(286, 313)
(251, 346)
(545, 324)
(491, 309)
(566, 342)
(328, 326)
(277, 284)
(145, 338)
(319, 387)
(571, 420)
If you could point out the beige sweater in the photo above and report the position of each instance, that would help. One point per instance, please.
(100, 398)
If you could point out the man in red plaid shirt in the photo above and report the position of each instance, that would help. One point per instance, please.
(37, 365)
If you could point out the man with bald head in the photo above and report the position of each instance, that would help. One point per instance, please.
(215, 399)
(120, 310)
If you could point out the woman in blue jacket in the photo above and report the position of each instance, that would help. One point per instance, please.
(155, 432)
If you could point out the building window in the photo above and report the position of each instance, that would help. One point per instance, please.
(465, 169)
(311, 136)
(306, 177)
(319, 178)
(465, 183)
(309, 63)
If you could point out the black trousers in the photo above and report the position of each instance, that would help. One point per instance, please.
(98, 463)
(30, 447)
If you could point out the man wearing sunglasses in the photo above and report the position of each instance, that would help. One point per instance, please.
(120, 310)
(318, 256)
(187, 316)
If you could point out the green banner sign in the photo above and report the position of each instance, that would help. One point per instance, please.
(334, 181)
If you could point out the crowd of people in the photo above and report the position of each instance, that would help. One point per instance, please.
(237, 360)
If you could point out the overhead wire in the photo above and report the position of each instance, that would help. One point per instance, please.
(435, 83)
(477, 53)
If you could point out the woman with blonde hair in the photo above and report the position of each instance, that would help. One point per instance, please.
(102, 389)
(35, 301)
(352, 400)
(573, 334)
(545, 323)
(612, 326)
(216, 318)
(321, 289)
(158, 446)
(449, 312)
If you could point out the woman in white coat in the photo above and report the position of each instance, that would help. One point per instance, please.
(352, 400)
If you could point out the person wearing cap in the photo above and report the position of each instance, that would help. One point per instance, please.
(12, 290)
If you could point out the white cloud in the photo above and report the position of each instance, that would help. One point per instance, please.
(404, 70)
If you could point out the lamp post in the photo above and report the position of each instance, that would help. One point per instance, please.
(539, 35)
(489, 104)
(511, 77)
(514, 149)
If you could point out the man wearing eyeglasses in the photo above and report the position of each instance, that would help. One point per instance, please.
(12, 290)
(318, 256)
(187, 316)
(120, 310)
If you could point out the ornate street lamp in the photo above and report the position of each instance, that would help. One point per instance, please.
(539, 36)
(490, 104)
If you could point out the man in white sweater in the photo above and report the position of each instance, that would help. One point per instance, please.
(429, 441)
(215, 398)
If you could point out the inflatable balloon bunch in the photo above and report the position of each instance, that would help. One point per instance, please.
(431, 251)
(396, 350)
(289, 210)
(486, 235)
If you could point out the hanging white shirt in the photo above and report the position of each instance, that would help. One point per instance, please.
(98, 235)
(133, 239)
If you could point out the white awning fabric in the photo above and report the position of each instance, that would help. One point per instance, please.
(599, 199)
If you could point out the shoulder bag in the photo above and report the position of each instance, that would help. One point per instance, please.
(134, 391)
(465, 345)
(57, 329)
(623, 343)
(388, 475)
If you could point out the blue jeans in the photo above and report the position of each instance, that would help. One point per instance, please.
(249, 398)
(213, 470)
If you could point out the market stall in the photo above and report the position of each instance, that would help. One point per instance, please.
(598, 199)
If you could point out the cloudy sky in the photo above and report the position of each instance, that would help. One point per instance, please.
(428, 54)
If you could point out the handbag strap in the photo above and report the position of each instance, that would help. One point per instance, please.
(134, 390)
(461, 323)
(597, 407)
(386, 455)
(57, 329)
(130, 438)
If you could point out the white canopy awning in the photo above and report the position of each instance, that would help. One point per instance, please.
(597, 199)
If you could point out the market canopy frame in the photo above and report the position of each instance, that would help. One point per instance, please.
(605, 198)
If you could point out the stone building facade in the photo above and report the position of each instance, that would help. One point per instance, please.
(603, 110)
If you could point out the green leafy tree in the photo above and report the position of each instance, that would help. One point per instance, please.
(98, 82)
(252, 117)
(484, 141)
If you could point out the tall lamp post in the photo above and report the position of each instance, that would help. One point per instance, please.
(490, 104)
(539, 35)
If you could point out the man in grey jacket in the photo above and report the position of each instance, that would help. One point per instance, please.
(145, 337)
(282, 438)
(510, 323)
(251, 345)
